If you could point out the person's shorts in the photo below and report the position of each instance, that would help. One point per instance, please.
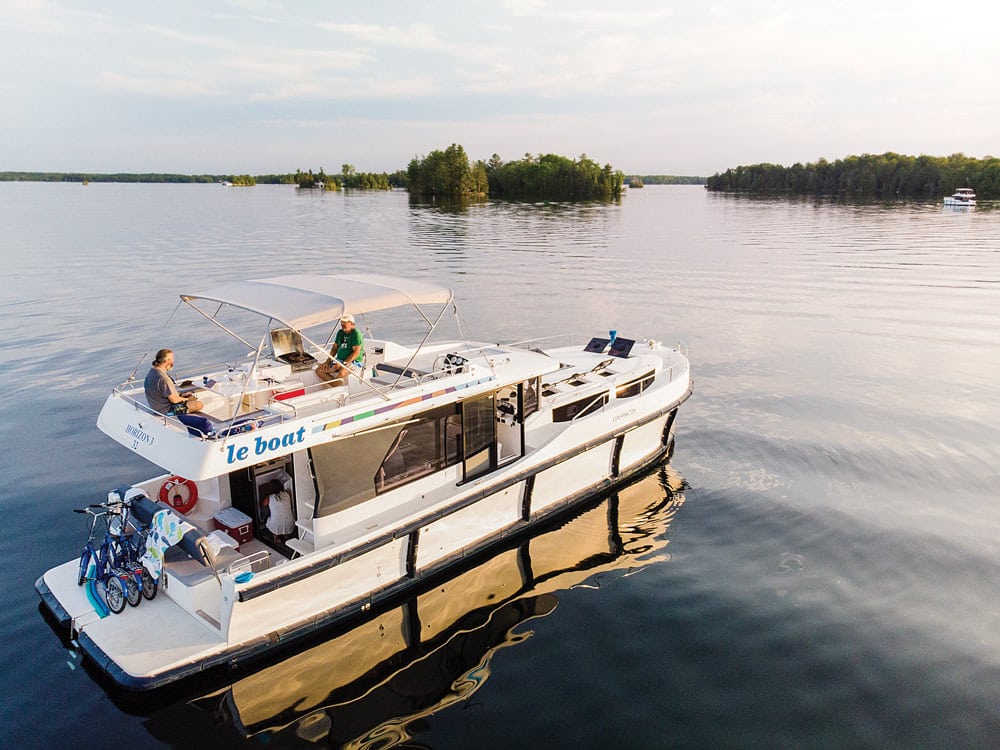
(181, 408)
(355, 365)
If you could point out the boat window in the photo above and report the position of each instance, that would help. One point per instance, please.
(637, 386)
(479, 435)
(579, 408)
(529, 397)
(428, 443)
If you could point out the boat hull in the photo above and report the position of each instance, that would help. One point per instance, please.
(322, 590)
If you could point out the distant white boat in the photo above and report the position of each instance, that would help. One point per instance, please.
(961, 197)
(226, 183)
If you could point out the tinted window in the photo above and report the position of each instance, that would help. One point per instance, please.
(428, 443)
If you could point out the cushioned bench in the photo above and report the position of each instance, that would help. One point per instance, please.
(202, 425)
(406, 372)
(191, 559)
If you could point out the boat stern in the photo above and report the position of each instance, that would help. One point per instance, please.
(157, 438)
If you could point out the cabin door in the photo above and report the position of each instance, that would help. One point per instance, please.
(492, 430)
(250, 487)
(510, 424)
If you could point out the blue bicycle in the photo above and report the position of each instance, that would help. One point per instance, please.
(128, 548)
(115, 581)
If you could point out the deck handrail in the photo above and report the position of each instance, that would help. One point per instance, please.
(247, 562)
(606, 393)
(570, 339)
(171, 420)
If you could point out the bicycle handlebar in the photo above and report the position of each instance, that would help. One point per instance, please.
(90, 512)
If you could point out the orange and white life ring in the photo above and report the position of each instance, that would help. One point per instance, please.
(179, 493)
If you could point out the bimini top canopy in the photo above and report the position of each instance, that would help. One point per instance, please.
(306, 300)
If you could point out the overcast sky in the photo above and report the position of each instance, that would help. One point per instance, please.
(689, 88)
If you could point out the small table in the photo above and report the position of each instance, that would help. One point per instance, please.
(231, 395)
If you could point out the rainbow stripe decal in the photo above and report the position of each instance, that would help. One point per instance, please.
(399, 404)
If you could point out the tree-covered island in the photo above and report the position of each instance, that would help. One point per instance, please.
(449, 175)
(867, 177)
(350, 178)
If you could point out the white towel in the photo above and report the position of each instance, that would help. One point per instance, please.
(218, 540)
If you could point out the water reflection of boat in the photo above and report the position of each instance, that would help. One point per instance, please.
(366, 687)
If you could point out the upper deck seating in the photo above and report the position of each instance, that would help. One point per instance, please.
(203, 425)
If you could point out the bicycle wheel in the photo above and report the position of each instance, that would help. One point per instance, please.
(84, 566)
(114, 593)
(132, 593)
(148, 585)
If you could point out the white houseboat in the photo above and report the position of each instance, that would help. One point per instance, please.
(430, 453)
(963, 197)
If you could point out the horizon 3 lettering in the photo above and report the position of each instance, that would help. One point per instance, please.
(138, 435)
(262, 446)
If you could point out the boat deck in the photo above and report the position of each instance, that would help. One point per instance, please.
(129, 635)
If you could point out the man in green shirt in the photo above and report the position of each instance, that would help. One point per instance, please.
(348, 353)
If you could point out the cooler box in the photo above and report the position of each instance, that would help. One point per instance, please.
(234, 522)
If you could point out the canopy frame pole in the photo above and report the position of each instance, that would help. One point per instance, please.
(246, 382)
(213, 319)
(138, 364)
(433, 325)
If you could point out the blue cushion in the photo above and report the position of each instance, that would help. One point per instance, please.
(197, 425)
(244, 424)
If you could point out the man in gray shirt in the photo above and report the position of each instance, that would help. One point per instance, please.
(161, 393)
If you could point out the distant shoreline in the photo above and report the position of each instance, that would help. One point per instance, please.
(145, 177)
(267, 179)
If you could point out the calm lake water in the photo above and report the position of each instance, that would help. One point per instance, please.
(817, 567)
